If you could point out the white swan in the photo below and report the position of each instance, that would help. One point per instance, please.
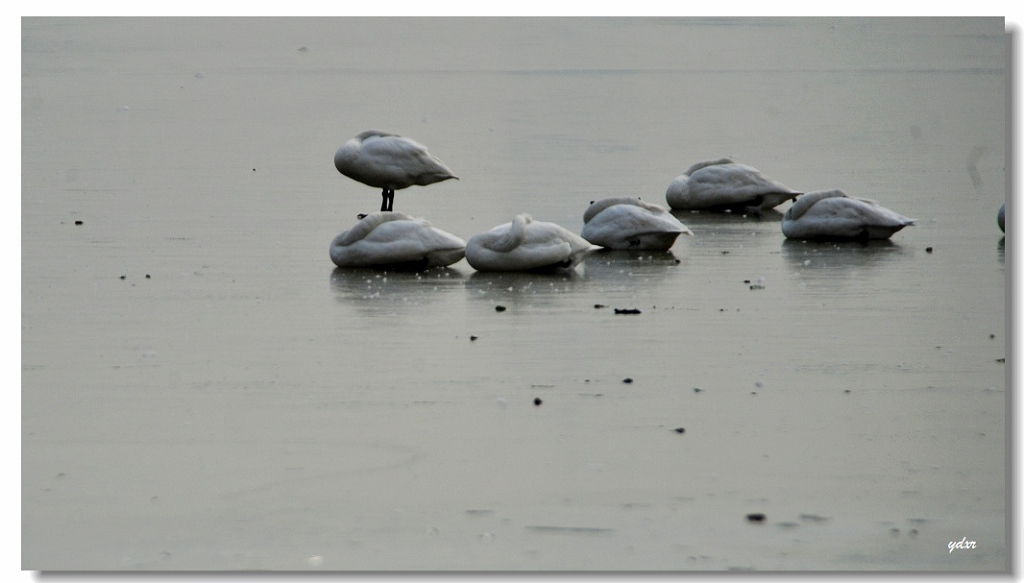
(389, 162)
(831, 214)
(526, 245)
(1001, 218)
(391, 240)
(724, 185)
(630, 223)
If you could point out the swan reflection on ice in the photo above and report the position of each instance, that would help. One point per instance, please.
(630, 223)
(391, 240)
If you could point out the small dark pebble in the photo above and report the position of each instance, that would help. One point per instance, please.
(757, 286)
(123, 276)
(678, 261)
(997, 360)
(846, 390)
(599, 306)
(627, 380)
(627, 311)
(472, 338)
(746, 281)
(537, 401)
(680, 430)
(756, 517)
(725, 252)
(697, 389)
(499, 308)
(147, 276)
(991, 336)
(927, 249)
(78, 222)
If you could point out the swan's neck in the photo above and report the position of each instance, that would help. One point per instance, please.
(513, 236)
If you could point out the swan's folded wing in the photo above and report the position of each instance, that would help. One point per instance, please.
(404, 161)
(732, 184)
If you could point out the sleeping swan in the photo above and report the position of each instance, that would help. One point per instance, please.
(389, 162)
(390, 240)
(831, 214)
(526, 245)
(723, 185)
(630, 223)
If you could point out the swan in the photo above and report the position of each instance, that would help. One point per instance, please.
(390, 162)
(393, 240)
(724, 185)
(1001, 218)
(526, 245)
(630, 223)
(831, 214)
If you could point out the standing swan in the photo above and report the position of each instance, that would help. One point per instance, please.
(723, 185)
(831, 214)
(390, 162)
(630, 223)
(391, 240)
(526, 245)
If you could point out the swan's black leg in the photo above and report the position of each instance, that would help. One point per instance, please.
(391, 199)
(384, 200)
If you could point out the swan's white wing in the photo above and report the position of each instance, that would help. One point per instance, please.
(732, 184)
(536, 245)
(396, 241)
(402, 162)
(388, 161)
(722, 185)
(628, 226)
(844, 217)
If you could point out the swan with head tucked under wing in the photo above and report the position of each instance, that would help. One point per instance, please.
(389, 162)
(832, 215)
(392, 240)
(726, 186)
(526, 245)
(630, 223)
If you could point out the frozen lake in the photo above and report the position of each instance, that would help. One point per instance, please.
(203, 390)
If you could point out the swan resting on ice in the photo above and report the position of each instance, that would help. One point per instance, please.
(630, 223)
(526, 245)
(726, 186)
(389, 162)
(392, 240)
(831, 214)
